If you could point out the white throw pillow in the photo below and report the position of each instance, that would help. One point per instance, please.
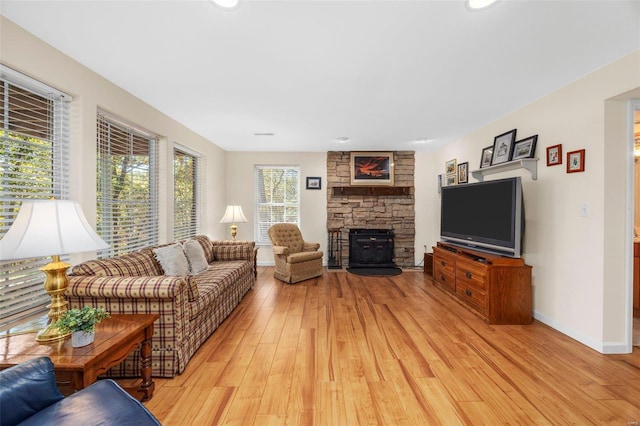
(195, 255)
(172, 260)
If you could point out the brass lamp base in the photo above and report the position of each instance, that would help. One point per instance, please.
(55, 284)
(234, 231)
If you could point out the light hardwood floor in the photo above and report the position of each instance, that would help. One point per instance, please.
(347, 350)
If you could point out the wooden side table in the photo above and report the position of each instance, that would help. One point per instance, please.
(77, 368)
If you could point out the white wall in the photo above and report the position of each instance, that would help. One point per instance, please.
(580, 271)
(313, 203)
(29, 55)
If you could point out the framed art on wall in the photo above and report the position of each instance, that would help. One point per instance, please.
(463, 172)
(525, 148)
(372, 168)
(485, 159)
(503, 147)
(450, 167)
(575, 161)
(554, 155)
(314, 183)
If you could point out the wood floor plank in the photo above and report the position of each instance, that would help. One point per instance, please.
(343, 349)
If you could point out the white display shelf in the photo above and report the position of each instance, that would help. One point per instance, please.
(530, 164)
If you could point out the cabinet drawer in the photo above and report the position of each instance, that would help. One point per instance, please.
(471, 273)
(473, 296)
(444, 260)
(445, 277)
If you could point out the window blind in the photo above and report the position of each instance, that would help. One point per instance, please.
(186, 193)
(34, 164)
(127, 210)
(277, 198)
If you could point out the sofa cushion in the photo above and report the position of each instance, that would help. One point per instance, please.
(172, 259)
(195, 255)
(26, 389)
(207, 246)
(215, 281)
(141, 263)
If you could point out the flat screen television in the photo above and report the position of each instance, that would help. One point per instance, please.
(486, 216)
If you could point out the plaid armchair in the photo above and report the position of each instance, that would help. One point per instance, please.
(296, 260)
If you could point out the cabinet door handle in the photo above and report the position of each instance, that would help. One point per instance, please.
(467, 292)
(468, 274)
(443, 278)
(443, 263)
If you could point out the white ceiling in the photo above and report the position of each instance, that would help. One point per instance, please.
(383, 73)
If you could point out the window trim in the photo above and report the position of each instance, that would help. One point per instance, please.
(263, 240)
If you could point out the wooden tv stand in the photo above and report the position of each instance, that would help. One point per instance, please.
(497, 288)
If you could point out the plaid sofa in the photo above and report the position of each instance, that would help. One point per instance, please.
(190, 307)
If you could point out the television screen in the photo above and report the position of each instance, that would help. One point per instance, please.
(485, 215)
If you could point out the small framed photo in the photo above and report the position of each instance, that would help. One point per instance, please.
(451, 180)
(554, 155)
(525, 148)
(314, 183)
(463, 172)
(575, 161)
(485, 159)
(450, 167)
(503, 147)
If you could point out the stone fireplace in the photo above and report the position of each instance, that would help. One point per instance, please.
(367, 208)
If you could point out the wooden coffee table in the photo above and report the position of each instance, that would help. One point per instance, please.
(77, 368)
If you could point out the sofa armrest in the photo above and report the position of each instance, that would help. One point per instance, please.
(281, 250)
(154, 287)
(26, 389)
(310, 246)
(238, 251)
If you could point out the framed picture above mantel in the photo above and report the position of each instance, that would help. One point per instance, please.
(372, 168)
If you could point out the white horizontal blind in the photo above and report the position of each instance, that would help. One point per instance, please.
(34, 164)
(277, 198)
(186, 194)
(127, 211)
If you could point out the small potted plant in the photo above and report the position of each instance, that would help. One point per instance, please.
(81, 323)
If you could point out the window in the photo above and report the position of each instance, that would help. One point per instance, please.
(127, 211)
(277, 195)
(34, 164)
(186, 198)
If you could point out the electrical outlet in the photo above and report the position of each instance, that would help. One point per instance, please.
(584, 210)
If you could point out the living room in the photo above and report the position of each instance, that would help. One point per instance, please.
(579, 229)
(570, 254)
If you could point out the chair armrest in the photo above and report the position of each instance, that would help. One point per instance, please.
(26, 389)
(310, 246)
(281, 250)
(153, 287)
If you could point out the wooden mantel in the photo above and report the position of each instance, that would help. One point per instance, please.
(371, 190)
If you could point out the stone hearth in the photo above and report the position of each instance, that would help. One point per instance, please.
(381, 210)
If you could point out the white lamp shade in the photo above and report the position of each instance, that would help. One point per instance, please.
(47, 228)
(233, 214)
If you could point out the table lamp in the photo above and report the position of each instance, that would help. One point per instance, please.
(232, 215)
(50, 228)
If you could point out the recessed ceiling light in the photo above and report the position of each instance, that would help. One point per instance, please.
(226, 4)
(342, 139)
(478, 4)
(424, 140)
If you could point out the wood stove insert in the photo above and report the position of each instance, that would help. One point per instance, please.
(371, 248)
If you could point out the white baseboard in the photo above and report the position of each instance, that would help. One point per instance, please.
(602, 347)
